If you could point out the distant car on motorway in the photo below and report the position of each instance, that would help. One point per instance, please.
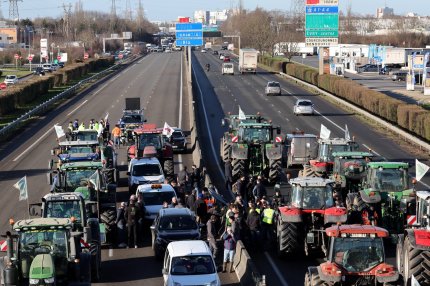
(227, 68)
(39, 71)
(178, 140)
(221, 56)
(399, 75)
(61, 64)
(203, 50)
(273, 88)
(226, 59)
(167, 50)
(55, 67)
(215, 53)
(11, 79)
(303, 107)
(47, 67)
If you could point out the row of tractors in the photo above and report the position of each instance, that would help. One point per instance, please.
(344, 204)
(62, 242)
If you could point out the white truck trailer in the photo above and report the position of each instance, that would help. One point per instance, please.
(248, 60)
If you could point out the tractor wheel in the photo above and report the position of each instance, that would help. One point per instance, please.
(317, 281)
(307, 171)
(289, 237)
(238, 168)
(95, 262)
(416, 262)
(275, 170)
(108, 217)
(307, 279)
(399, 257)
(225, 150)
(169, 170)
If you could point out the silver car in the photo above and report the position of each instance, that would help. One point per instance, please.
(304, 106)
(273, 88)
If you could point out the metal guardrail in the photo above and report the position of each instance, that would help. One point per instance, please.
(10, 127)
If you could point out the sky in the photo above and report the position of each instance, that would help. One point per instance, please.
(169, 10)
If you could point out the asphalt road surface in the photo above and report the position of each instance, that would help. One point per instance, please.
(156, 79)
(225, 93)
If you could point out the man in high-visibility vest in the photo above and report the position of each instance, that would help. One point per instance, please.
(267, 218)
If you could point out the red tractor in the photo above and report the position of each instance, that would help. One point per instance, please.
(309, 210)
(356, 257)
(150, 135)
(413, 247)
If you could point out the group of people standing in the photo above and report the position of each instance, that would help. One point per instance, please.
(130, 222)
(93, 124)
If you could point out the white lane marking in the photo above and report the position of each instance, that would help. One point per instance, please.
(79, 106)
(276, 269)
(180, 114)
(207, 126)
(110, 252)
(34, 144)
(374, 151)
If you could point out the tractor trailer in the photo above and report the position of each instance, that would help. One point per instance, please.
(248, 60)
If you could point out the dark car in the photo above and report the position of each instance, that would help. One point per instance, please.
(173, 224)
(178, 140)
(226, 59)
(215, 53)
(61, 64)
(39, 71)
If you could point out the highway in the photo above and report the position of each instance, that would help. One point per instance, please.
(156, 79)
(224, 93)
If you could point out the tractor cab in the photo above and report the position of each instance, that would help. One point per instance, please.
(328, 146)
(256, 132)
(387, 177)
(85, 135)
(234, 120)
(311, 193)
(148, 135)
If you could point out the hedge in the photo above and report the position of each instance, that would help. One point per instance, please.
(410, 117)
(20, 95)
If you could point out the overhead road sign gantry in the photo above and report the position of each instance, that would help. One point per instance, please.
(189, 34)
(322, 22)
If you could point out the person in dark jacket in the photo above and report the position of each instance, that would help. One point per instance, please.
(190, 199)
(212, 229)
(253, 222)
(228, 174)
(179, 205)
(132, 216)
(229, 249)
(121, 225)
(201, 209)
(195, 177)
(259, 190)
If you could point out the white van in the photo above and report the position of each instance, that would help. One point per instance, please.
(154, 195)
(144, 171)
(227, 68)
(189, 262)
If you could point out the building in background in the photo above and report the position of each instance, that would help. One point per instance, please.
(210, 17)
(384, 12)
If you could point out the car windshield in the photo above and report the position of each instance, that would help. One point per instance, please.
(273, 84)
(326, 150)
(149, 139)
(192, 265)
(64, 209)
(10, 77)
(177, 134)
(255, 134)
(157, 198)
(75, 177)
(228, 66)
(389, 180)
(312, 197)
(36, 242)
(177, 222)
(304, 103)
(146, 170)
(86, 135)
(132, 119)
(80, 150)
(358, 254)
(352, 166)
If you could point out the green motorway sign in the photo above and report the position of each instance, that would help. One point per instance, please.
(321, 34)
(322, 22)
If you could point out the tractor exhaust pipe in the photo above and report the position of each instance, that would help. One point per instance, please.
(10, 271)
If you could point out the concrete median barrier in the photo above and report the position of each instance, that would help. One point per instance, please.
(245, 269)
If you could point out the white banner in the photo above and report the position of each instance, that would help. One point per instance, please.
(420, 169)
(347, 136)
(414, 281)
(59, 130)
(167, 130)
(242, 115)
(325, 132)
(21, 185)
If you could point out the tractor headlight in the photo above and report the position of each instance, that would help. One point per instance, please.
(34, 281)
(50, 280)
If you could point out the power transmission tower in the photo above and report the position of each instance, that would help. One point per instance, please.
(128, 12)
(113, 9)
(67, 16)
(13, 10)
(140, 14)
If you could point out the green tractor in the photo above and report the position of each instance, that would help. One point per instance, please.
(233, 126)
(385, 189)
(45, 251)
(255, 151)
(96, 187)
(84, 215)
(348, 170)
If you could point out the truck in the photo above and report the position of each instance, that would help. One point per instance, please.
(248, 60)
(299, 148)
(132, 118)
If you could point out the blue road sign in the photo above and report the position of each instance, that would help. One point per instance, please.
(189, 34)
(322, 9)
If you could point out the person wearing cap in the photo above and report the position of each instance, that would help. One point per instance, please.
(132, 215)
(121, 224)
(200, 209)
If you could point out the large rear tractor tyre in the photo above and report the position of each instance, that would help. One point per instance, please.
(108, 217)
(416, 262)
(290, 239)
(307, 172)
(110, 176)
(358, 203)
(275, 170)
(169, 169)
(316, 281)
(238, 168)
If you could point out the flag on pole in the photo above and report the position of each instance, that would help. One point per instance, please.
(414, 54)
(106, 116)
(347, 136)
(420, 169)
(325, 132)
(426, 59)
(242, 115)
(59, 130)
(21, 185)
(167, 130)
